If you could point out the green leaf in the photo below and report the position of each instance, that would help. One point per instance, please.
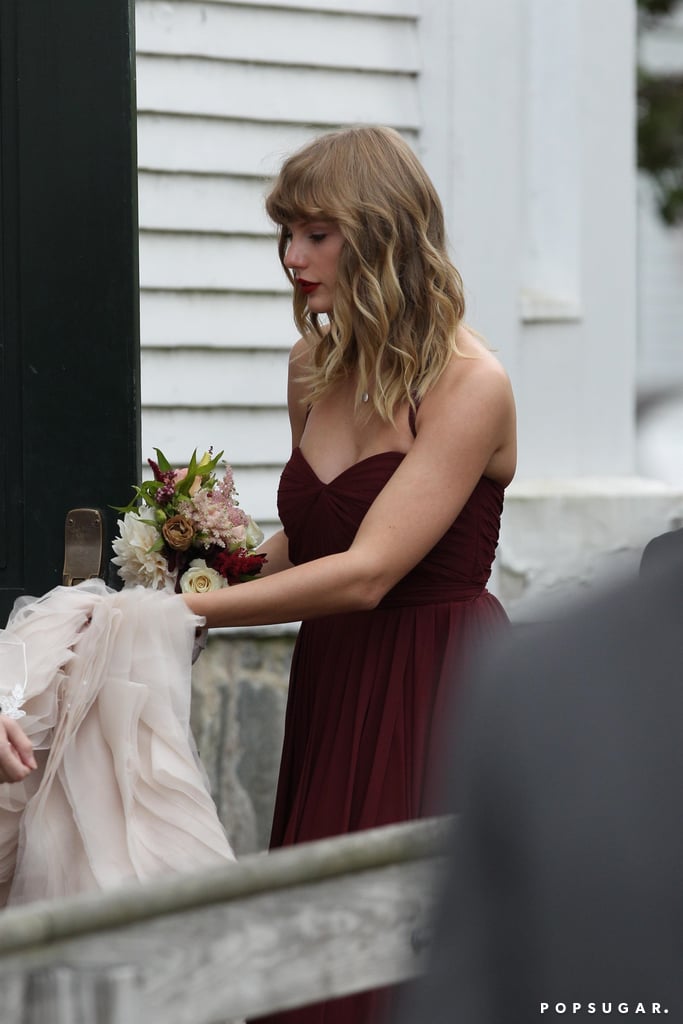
(162, 461)
(132, 504)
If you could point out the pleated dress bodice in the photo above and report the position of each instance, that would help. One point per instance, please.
(323, 518)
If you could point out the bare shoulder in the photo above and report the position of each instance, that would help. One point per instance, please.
(471, 407)
(473, 374)
(300, 352)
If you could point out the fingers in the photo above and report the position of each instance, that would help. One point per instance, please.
(20, 742)
(16, 752)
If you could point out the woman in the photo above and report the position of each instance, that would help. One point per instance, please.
(403, 437)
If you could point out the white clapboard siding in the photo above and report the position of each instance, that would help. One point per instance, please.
(225, 91)
(192, 85)
(222, 320)
(190, 378)
(256, 488)
(270, 36)
(249, 436)
(389, 8)
(208, 203)
(211, 145)
(222, 262)
(204, 145)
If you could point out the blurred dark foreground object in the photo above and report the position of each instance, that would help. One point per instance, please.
(661, 551)
(566, 884)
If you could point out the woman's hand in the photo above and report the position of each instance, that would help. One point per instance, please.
(16, 752)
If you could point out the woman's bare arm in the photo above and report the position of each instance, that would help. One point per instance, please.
(276, 550)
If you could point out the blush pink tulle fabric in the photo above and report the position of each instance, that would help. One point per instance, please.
(119, 793)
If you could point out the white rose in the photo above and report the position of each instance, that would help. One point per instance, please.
(200, 579)
(254, 534)
(137, 563)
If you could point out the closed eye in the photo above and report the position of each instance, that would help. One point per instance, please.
(318, 237)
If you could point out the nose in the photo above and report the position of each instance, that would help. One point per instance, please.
(294, 256)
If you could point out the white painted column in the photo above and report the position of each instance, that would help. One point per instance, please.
(578, 341)
(472, 146)
(528, 112)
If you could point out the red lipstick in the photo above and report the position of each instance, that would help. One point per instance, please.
(307, 286)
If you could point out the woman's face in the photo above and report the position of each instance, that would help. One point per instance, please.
(312, 255)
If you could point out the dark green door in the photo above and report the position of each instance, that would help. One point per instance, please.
(69, 332)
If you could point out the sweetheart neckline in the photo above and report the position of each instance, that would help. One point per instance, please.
(368, 458)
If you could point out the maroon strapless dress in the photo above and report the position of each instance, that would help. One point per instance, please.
(369, 690)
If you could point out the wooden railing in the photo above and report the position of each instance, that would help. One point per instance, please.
(271, 932)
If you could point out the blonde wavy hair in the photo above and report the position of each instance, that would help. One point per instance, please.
(398, 299)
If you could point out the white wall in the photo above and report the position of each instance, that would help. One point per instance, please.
(529, 132)
(538, 177)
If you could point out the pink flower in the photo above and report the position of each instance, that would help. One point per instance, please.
(215, 517)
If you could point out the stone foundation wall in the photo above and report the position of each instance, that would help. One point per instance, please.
(239, 693)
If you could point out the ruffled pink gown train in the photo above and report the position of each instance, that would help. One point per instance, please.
(119, 793)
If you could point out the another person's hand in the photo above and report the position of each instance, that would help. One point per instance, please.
(16, 752)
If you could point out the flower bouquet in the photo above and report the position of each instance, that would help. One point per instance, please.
(184, 530)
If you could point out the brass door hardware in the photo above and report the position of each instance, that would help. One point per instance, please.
(83, 545)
